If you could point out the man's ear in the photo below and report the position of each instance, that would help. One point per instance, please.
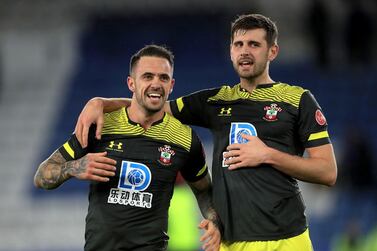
(172, 85)
(273, 52)
(131, 84)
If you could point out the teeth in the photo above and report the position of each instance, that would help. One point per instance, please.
(245, 62)
(154, 95)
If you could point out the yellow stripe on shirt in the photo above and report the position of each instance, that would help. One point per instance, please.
(201, 171)
(180, 104)
(318, 135)
(69, 150)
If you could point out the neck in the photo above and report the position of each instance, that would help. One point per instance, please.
(145, 118)
(250, 84)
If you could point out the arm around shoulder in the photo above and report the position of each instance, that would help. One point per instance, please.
(92, 113)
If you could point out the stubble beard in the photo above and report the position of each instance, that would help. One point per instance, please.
(149, 109)
(256, 71)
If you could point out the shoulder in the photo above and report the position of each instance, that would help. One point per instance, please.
(205, 93)
(115, 116)
(178, 133)
(114, 121)
(225, 93)
(287, 93)
(176, 127)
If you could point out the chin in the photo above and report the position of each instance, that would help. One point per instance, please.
(154, 109)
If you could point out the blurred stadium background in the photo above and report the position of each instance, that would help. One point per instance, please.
(55, 55)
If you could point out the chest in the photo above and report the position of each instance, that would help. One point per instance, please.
(142, 161)
(259, 118)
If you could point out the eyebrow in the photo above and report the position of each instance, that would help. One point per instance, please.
(158, 74)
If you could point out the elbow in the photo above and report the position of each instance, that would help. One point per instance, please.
(331, 178)
(331, 181)
(37, 183)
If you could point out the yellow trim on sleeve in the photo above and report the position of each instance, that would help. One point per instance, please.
(180, 104)
(201, 171)
(318, 135)
(69, 150)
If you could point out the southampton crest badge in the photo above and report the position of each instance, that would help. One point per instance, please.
(271, 112)
(166, 154)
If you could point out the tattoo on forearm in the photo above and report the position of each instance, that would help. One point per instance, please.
(56, 170)
(50, 173)
(203, 193)
(76, 167)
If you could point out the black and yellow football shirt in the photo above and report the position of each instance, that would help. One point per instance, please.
(130, 211)
(258, 203)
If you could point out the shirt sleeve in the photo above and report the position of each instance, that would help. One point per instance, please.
(312, 122)
(72, 149)
(196, 167)
(192, 109)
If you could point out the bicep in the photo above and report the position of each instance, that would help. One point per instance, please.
(312, 125)
(324, 153)
(201, 185)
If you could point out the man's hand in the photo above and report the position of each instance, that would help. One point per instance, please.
(252, 153)
(55, 170)
(91, 114)
(211, 236)
(93, 166)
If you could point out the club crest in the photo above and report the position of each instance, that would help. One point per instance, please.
(271, 112)
(166, 154)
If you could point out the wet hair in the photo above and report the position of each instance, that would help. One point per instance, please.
(255, 21)
(151, 50)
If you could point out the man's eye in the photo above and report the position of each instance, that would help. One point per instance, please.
(164, 78)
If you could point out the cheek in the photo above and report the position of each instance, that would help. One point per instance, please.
(232, 55)
(233, 58)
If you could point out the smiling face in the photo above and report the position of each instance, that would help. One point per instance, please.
(151, 82)
(250, 54)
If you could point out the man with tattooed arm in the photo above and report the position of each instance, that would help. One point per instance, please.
(133, 167)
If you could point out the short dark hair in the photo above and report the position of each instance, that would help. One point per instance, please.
(152, 50)
(255, 21)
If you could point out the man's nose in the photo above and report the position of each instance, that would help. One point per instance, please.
(156, 83)
(245, 51)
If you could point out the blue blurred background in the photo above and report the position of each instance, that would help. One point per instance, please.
(56, 55)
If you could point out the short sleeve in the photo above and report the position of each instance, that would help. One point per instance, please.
(192, 109)
(312, 124)
(196, 167)
(72, 149)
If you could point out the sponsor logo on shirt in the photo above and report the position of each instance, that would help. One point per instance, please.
(134, 179)
(235, 135)
(239, 128)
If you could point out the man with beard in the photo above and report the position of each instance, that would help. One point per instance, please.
(261, 129)
(133, 168)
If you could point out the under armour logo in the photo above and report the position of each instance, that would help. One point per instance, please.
(113, 144)
(225, 111)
